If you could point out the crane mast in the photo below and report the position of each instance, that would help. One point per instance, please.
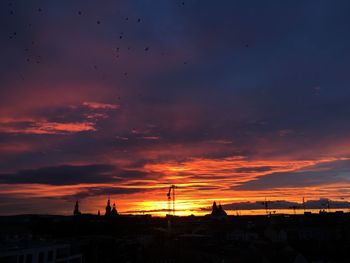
(171, 199)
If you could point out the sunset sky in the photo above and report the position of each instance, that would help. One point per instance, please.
(231, 101)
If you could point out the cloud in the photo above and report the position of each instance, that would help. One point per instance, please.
(285, 132)
(99, 105)
(46, 127)
(75, 174)
(62, 175)
(103, 190)
(151, 138)
(13, 205)
(58, 120)
(200, 86)
(284, 204)
(337, 171)
(233, 169)
(254, 169)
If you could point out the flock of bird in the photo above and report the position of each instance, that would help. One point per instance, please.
(37, 58)
(32, 57)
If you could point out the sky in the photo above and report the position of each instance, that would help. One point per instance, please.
(233, 101)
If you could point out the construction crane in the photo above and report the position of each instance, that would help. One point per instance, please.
(171, 197)
(266, 204)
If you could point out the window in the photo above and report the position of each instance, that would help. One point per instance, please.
(8, 259)
(41, 257)
(29, 258)
(62, 252)
(50, 255)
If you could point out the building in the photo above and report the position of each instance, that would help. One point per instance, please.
(111, 211)
(114, 211)
(108, 208)
(76, 211)
(218, 212)
(41, 253)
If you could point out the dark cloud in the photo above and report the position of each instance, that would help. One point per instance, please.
(69, 175)
(15, 205)
(62, 175)
(321, 203)
(322, 174)
(103, 191)
(254, 169)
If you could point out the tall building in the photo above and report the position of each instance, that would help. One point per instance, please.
(76, 211)
(114, 210)
(218, 212)
(108, 208)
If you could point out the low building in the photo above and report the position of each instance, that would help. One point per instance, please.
(41, 253)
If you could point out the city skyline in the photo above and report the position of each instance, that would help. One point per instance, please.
(231, 102)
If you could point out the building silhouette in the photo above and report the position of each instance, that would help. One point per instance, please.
(114, 211)
(218, 212)
(76, 211)
(108, 208)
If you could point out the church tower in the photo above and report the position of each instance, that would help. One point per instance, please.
(76, 209)
(214, 209)
(108, 208)
(114, 210)
(218, 212)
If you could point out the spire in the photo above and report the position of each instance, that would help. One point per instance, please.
(218, 211)
(76, 211)
(114, 210)
(221, 211)
(215, 208)
(108, 207)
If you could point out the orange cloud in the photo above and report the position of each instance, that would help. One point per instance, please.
(46, 127)
(230, 169)
(98, 105)
(202, 180)
(199, 181)
(150, 137)
(40, 125)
